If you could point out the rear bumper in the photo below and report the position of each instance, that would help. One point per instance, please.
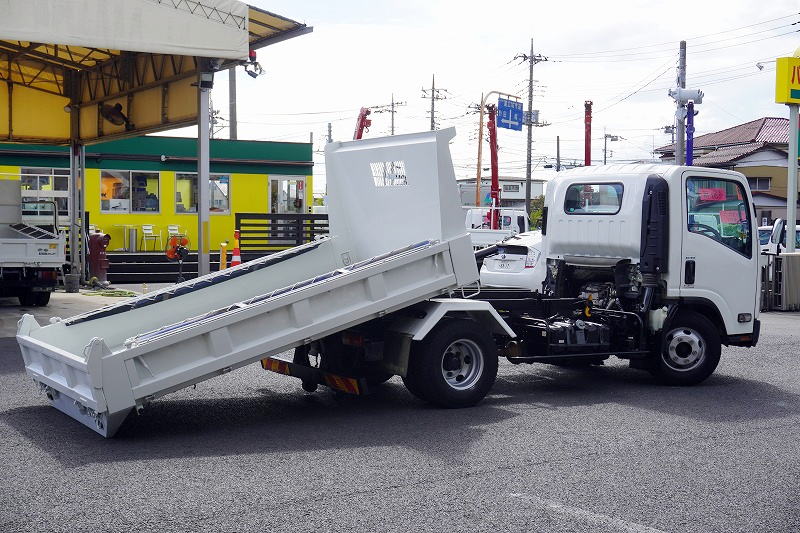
(525, 279)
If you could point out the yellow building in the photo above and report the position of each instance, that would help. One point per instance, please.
(133, 184)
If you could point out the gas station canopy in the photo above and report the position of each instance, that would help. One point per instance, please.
(83, 71)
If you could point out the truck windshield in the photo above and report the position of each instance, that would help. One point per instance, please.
(717, 209)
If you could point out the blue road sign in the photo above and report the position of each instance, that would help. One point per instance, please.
(509, 114)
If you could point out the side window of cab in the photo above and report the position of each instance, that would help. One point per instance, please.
(717, 209)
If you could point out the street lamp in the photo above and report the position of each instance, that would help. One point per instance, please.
(480, 141)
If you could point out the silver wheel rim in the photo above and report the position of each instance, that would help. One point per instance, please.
(685, 349)
(462, 364)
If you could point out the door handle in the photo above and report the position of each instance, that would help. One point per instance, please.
(688, 272)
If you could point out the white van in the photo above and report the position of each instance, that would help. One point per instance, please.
(772, 239)
(478, 224)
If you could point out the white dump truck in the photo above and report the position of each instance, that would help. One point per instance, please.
(31, 257)
(386, 294)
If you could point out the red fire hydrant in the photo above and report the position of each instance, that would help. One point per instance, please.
(98, 262)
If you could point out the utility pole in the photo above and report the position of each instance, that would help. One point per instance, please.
(607, 137)
(233, 132)
(330, 133)
(481, 109)
(392, 112)
(671, 130)
(434, 95)
(215, 122)
(433, 102)
(558, 153)
(388, 108)
(532, 59)
(495, 190)
(680, 117)
(480, 153)
(682, 97)
(587, 136)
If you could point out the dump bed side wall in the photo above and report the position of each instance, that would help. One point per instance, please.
(115, 329)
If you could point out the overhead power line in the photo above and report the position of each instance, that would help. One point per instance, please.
(694, 51)
(674, 42)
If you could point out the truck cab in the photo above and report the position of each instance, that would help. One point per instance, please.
(677, 246)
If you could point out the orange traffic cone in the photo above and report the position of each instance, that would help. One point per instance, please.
(237, 254)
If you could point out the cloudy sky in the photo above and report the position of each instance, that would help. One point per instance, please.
(622, 55)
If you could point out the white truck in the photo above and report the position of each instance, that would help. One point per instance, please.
(477, 220)
(31, 257)
(378, 299)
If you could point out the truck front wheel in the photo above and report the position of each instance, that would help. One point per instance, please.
(690, 350)
(454, 366)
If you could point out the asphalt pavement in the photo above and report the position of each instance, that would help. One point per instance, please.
(550, 449)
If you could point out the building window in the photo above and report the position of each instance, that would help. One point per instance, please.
(47, 185)
(186, 193)
(123, 191)
(510, 187)
(759, 184)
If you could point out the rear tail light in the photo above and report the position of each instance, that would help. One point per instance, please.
(49, 275)
(532, 258)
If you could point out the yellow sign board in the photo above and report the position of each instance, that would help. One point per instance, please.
(787, 80)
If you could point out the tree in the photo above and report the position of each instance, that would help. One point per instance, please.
(537, 205)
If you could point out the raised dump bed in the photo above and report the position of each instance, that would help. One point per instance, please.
(396, 239)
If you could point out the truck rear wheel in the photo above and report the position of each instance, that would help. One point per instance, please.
(454, 366)
(34, 299)
(690, 350)
(26, 299)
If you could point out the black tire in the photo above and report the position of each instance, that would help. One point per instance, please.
(27, 299)
(690, 350)
(454, 366)
(41, 299)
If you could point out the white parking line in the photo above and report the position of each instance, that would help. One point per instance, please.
(600, 521)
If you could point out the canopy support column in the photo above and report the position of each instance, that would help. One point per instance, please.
(82, 212)
(203, 184)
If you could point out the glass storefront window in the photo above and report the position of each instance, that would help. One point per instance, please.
(144, 192)
(124, 191)
(186, 193)
(115, 191)
(45, 184)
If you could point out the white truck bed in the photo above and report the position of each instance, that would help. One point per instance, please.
(99, 366)
(28, 246)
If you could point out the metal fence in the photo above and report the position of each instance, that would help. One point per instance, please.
(271, 232)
